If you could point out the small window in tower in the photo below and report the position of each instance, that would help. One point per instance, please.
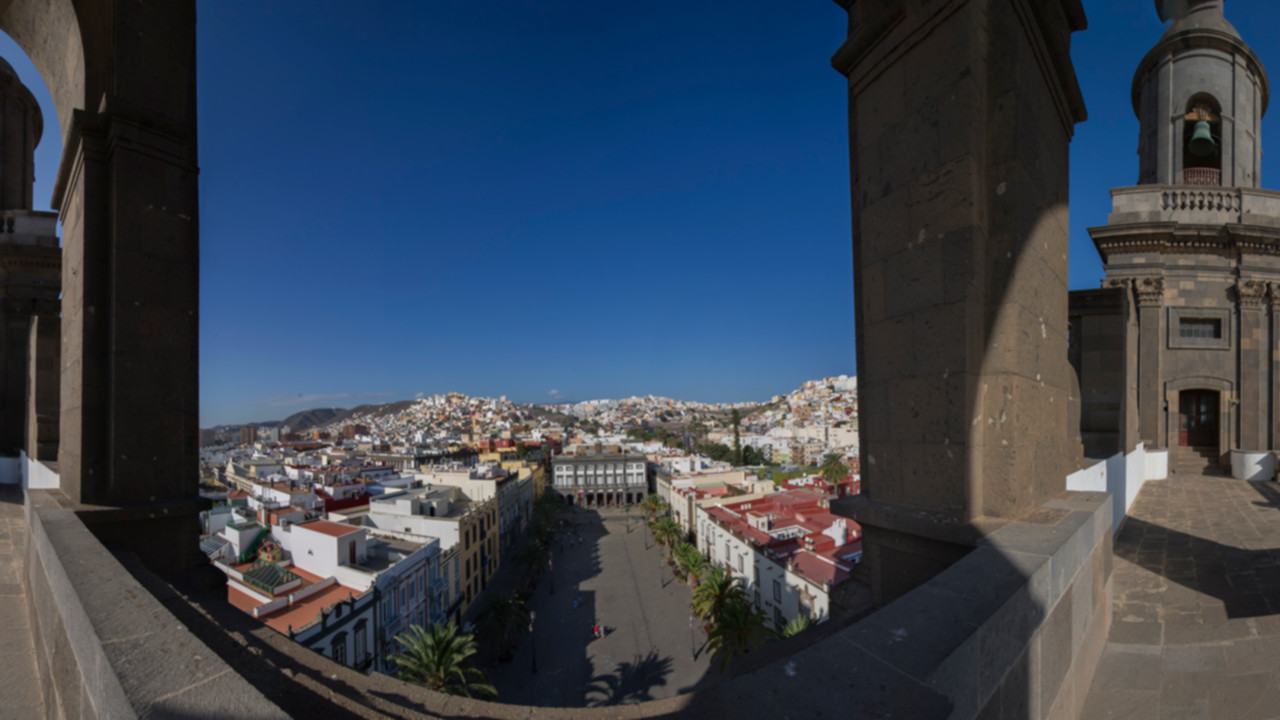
(1193, 327)
(1202, 142)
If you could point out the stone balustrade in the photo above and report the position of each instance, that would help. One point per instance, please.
(1194, 204)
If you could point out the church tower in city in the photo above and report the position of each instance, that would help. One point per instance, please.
(30, 258)
(1179, 348)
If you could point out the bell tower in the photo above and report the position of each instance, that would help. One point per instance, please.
(1200, 95)
(30, 257)
(1192, 261)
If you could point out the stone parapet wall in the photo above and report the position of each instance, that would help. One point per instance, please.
(105, 646)
(1195, 205)
(1014, 629)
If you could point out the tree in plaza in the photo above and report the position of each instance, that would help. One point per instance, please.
(739, 629)
(691, 562)
(834, 469)
(797, 625)
(533, 555)
(717, 591)
(653, 505)
(439, 659)
(667, 532)
(502, 619)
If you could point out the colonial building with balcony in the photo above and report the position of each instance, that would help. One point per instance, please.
(599, 476)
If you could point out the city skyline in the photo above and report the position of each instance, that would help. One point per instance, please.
(453, 192)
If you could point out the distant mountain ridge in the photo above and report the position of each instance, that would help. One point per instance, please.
(318, 417)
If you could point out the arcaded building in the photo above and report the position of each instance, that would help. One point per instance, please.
(1179, 348)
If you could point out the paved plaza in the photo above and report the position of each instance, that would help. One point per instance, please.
(617, 582)
(1196, 611)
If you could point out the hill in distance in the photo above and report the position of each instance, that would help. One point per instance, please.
(318, 417)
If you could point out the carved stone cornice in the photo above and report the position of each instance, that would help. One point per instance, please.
(1251, 294)
(1150, 290)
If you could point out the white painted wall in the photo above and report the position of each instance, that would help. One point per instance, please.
(38, 476)
(1252, 466)
(1123, 476)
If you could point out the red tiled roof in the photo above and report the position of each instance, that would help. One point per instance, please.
(307, 610)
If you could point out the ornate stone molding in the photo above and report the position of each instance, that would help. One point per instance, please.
(1150, 290)
(1251, 293)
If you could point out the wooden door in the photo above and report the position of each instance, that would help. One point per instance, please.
(1198, 418)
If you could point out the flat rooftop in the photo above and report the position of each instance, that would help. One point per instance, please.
(329, 527)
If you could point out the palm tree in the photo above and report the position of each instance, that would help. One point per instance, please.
(667, 532)
(834, 470)
(739, 629)
(438, 659)
(654, 505)
(797, 625)
(533, 556)
(502, 619)
(717, 591)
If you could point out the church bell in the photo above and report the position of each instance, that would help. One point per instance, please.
(1202, 143)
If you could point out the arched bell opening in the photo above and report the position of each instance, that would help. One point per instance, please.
(1202, 142)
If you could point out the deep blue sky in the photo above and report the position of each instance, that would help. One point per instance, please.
(597, 199)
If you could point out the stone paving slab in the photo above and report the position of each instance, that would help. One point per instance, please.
(20, 695)
(1196, 613)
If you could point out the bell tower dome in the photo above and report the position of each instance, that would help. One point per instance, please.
(20, 128)
(1200, 95)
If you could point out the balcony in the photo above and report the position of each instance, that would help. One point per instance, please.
(1201, 176)
(1194, 205)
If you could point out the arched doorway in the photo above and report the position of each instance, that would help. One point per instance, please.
(1199, 424)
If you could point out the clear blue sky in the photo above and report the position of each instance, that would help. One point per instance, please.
(597, 199)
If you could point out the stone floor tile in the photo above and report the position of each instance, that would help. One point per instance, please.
(1122, 705)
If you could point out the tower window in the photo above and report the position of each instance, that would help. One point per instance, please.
(1202, 143)
(1193, 327)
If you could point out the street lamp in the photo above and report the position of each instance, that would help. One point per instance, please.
(533, 645)
(693, 653)
(551, 573)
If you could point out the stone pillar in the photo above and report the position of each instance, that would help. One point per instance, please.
(959, 193)
(1273, 365)
(42, 389)
(127, 191)
(1254, 362)
(1150, 393)
(29, 281)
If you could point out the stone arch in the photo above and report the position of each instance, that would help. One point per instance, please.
(48, 31)
(1227, 430)
(122, 79)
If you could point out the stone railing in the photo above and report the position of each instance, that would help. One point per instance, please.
(1212, 199)
(1019, 622)
(1196, 205)
(29, 227)
(1201, 176)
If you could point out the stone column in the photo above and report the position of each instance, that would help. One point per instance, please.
(1273, 366)
(1150, 292)
(127, 191)
(959, 193)
(42, 389)
(1254, 361)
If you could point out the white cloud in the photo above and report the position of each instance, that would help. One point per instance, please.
(553, 393)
